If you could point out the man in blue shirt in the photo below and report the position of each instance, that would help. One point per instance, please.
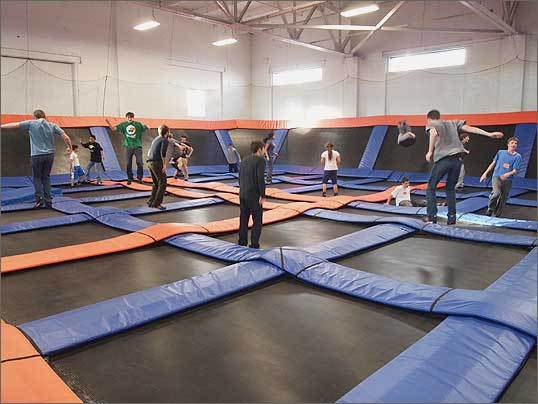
(42, 149)
(507, 163)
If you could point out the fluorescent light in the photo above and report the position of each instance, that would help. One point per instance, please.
(297, 76)
(147, 25)
(222, 42)
(427, 60)
(360, 10)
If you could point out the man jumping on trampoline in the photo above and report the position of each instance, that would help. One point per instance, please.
(42, 149)
(132, 141)
(446, 151)
(252, 194)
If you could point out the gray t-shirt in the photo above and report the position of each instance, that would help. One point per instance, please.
(42, 135)
(448, 142)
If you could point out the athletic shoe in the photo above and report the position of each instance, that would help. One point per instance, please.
(160, 207)
(401, 128)
(324, 194)
(489, 212)
(48, 206)
(38, 205)
(451, 220)
(336, 194)
(427, 219)
(128, 182)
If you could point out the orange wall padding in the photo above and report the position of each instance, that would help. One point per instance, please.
(161, 231)
(26, 377)
(500, 118)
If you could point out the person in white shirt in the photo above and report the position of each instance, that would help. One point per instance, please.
(331, 160)
(76, 170)
(402, 194)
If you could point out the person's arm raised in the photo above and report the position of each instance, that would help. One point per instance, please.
(478, 131)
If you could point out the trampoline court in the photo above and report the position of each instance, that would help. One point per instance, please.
(348, 299)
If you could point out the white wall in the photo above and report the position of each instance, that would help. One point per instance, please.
(137, 66)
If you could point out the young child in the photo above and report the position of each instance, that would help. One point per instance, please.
(234, 159)
(331, 160)
(507, 163)
(464, 138)
(183, 161)
(96, 158)
(402, 193)
(178, 149)
(76, 170)
(406, 137)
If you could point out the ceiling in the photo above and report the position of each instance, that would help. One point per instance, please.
(318, 25)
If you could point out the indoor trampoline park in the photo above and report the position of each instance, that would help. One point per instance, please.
(125, 275)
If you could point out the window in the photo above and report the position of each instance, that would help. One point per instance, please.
(196, 103)
(429, 60)
(297, 76)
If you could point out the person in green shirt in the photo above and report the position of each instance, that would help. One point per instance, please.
(132, 141)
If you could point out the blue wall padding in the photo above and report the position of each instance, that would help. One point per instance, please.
(359, 241)
(44, 223)
(373, 147)
(526, 183)
(463, 360)
(522, 202)
(280, 138)
(213, 247)
(16, 182)
(111, 160)
(224, 140)
(75, 327)
(526, 135)
(20, 195)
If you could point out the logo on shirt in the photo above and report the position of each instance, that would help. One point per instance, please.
(131, 131)
(506, 165)
(91, 147)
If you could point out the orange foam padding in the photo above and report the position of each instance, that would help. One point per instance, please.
(74, 252)
(14, 344)
(500, 118)
(213, 186)
(222, 226)
(32, 380)
(161, 231)
(182, 193)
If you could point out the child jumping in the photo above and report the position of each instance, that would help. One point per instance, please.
(331, 160)
(76, 170)
(507, 163)
(96, 158)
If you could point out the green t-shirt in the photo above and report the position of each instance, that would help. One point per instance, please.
(132, 133)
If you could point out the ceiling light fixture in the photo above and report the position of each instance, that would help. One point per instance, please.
(352, 12)
(227, 41)
(144, 26)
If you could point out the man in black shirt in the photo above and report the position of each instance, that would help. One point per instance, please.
(252, 194)
(158, 157)
(96, 158)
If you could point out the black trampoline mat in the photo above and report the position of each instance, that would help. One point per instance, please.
(284, 342)
(26, 215)
(438, 262)
(40, 292)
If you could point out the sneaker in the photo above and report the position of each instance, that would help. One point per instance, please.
(160, 207)
(256, 247)
(48, 205)
(38, 205)
(99, 182)
(128, 182)
(489, 212)
(427, 219)
(401, 128)
(451, 220)
(324, 194)
(336, 194)
(176, 177)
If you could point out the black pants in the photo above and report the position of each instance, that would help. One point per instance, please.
(129, 153)
(233, 167)
(159, 184)
(250, 207)
(41, 167)
(451, 166)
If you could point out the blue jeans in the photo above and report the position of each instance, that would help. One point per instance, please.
(451, 166)
(98, 169)
(129, 153)
(41, 168)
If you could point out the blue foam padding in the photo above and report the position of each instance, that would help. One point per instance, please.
(60, 179)
(21, 195)
(76, 327)
(213, 247)
(280, 139)
(215, 178)
(526, 134)
(121, 221)
(224, 140)
(520, 280)
(373, 147)
(16, 182)
(359, 241)
(17, 207)
(522, 202)
(194, 203)
(530, 225)
(44, 223)
(111, 160)
(463, 360)
(118, 197)
(90, 188)
(381, 207)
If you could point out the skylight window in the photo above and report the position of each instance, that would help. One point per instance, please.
(299, 76)
(427, 60)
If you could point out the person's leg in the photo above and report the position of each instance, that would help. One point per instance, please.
(324, 182)
(139, 163)
(505, 193)
(154, 186)
(437, 172)
(453, 168)
(334, 180)
(47, 190)
(461, 176)
(161, 188)
(270, 170)
(496, 184)
(89, 167)
(37, 178)
(405, 203)
(257, 219)
(185, 169)
(244, 216)
(230, 168)
(98, 170)
(129, 163)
